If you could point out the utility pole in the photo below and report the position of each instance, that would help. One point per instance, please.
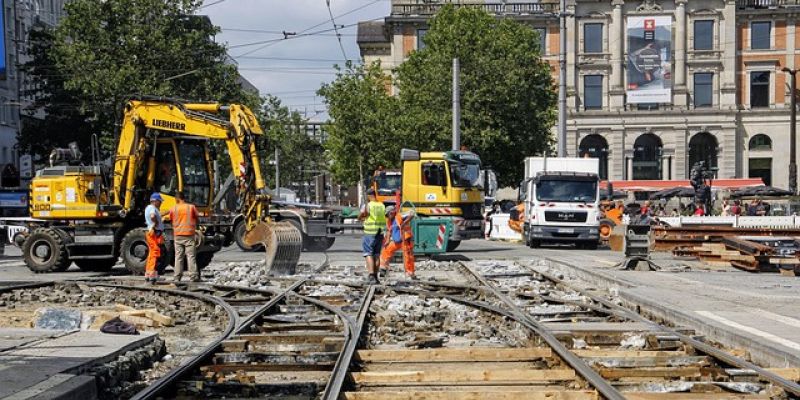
(562, 81)
(277, 173)
(793, 133)
(456, 106)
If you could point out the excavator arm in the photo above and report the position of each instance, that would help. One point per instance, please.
(234, 124)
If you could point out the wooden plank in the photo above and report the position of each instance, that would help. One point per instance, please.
(474, 395)
(520, 376)
(660, 372)
(627, 353)
(455, 354)
(649, 362)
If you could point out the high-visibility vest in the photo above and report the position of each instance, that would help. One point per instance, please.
(184, 219)
(376, 219)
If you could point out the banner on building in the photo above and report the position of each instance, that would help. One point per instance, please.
(649, 61)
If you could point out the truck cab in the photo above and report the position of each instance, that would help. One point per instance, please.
(446, 184)
(386, 184)
(562, 199)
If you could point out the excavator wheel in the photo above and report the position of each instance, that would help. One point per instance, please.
(44, 251)
(238, 235)
(133, 251)
(283, 243)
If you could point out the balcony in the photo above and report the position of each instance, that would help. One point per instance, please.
(766, 4)
(427, 8)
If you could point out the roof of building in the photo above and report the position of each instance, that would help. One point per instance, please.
(371, 32)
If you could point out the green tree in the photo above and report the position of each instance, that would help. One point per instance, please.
(300, 155)
(508, 102)
(361, 135)
(103, 52)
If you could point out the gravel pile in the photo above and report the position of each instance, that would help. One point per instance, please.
(253, 274)
(409, 319)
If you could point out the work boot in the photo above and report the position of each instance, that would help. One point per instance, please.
(412, 277)
(373, 280)
(177, 278)
(196, 279)
(383, 272)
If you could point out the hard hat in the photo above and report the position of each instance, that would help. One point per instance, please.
(156, 197)
(389, 210)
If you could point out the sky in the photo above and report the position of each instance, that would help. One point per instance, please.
(292, 69)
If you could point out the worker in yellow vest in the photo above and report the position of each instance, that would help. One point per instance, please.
(374, 218)
(184, 228)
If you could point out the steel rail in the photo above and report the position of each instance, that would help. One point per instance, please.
(334, 386)
(786, 384)
(577, 363)
(156, 388)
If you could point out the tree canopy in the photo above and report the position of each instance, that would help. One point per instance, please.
(103, 52)
(508, 99)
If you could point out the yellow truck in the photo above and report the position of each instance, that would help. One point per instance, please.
(445, 184)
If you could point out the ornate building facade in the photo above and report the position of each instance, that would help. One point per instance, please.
(653, 86)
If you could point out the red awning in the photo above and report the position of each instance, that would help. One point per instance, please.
(654, 185)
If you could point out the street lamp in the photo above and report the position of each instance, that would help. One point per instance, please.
(792, 134)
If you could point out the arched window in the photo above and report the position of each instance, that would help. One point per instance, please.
(760, 142)
(647, 157)
(703, 147)
(595, 146)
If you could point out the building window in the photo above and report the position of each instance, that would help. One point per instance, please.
(760, 35)
(420, 36)
(542, 32)
(703, 89)
(647, 106)
(704, 35)
(760, 142)
(592, 92)
(593, 38)
(647, 151)
(761, 168)
(759, 89)
(595, 146)
(703, 147)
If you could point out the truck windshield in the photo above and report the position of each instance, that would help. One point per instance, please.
(465, 175)
(388, 184)
(566, 191)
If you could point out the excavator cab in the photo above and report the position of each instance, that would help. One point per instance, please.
(182, 164)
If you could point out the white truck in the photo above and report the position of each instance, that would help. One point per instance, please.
(562, 200)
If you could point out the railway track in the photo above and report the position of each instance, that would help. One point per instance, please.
(502, 330)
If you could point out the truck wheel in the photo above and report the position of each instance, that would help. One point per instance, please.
(452, 245)
(534, 244)
(44, 251)
(133, 250)
(589, 245)
(203, 259)
(238, 236)
(99, 265)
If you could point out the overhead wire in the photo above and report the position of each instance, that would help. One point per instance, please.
(335, 29)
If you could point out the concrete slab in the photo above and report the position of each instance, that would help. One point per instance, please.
(11, 338)
(72, 354)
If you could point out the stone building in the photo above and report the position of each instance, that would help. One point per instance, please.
(653, 86)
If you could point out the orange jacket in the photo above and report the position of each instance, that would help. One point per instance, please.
(404, 224)
(184, 219)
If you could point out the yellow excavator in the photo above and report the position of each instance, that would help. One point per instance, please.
(94, 214)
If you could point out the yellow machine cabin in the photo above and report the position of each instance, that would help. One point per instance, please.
(446, 184)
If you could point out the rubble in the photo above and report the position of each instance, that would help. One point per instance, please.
(408, 319)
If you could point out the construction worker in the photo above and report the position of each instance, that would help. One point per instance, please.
(184, 227)
(399, 235)
(373, 215)
(154, 237)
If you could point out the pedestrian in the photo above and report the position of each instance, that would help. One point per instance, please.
(726, 208)
(374, 216)
(399, 236)
(184, 228)
(646, 208)
(154, 237)
(751, 208)
(736, 208)
(675, 213)
(699, 209)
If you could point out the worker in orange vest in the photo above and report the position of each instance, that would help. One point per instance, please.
(154, 237)
(398, 235)
(184, 227)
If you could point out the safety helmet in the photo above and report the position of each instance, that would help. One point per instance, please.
(156, 197)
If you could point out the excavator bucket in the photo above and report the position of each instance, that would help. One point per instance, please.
(283, 243)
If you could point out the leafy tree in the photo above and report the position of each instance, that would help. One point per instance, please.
(508, 102)
(361, 135)
(102, 52)
(299, 153)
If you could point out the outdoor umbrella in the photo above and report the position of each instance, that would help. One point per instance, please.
(761, 191)
(673, 192)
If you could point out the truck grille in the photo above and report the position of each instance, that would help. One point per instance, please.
(472, 210)
(565, 216)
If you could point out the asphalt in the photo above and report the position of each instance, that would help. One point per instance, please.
(754, 312)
